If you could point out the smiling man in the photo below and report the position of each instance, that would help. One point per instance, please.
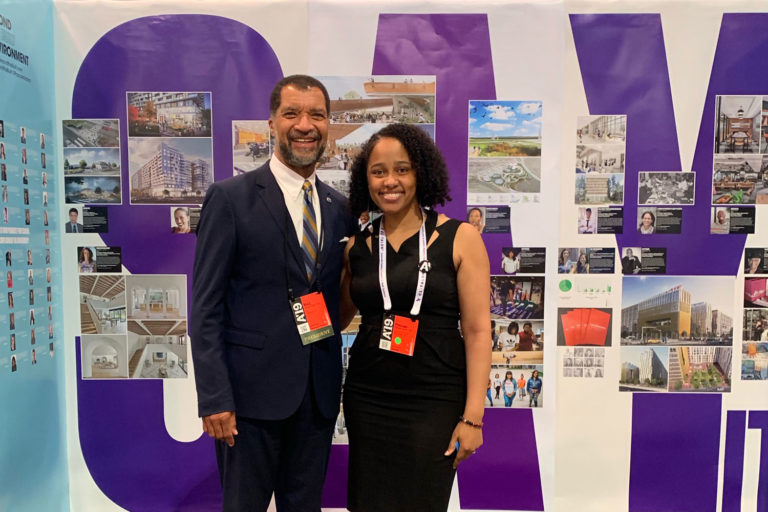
(265, 313)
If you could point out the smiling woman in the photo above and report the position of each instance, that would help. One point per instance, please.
(411, 369)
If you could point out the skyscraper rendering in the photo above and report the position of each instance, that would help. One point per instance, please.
(651, 367)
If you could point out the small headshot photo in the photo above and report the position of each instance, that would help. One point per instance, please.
(13, 342)
(42, 140)
(5, 215)
(2, 151)
(631, 261)
(13, 363)
(45, 179)
(2, 128)
(24, 156)
(42, 160)
(47, 237)
(24, 177)
(85, 260)
(73, 226)
(753, 260)
(9, 279)
(31, 277)
(32, 336)
(50, 331)
(181, 220)
(721, 221)
(646, 221)
(587, 221)
(29, 256)
(31, 297)
(4, 177)
(10, 300)
(34, 356)
(5, 192)
(8, 259)
(27, 218)
(476, 217)
(12, 321)
(23, 135)
(45, 217)
(26, 196)
(45, 198)
(50, 349)
(510, 260)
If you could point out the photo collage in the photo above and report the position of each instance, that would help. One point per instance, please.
(517, 332)
(92, 168)
(170, 147)
(600, 160)
(754, 349)
(586, 260)
(133, 326)
(740, 160)
(504, 152)
(676, 334)
(25, 236)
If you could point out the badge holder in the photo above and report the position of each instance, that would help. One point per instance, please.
(398, 333)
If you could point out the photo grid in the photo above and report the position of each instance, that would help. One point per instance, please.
(740, 162)
(92, 170)
(600, 160)
(754, 348)
(517, 336)
(504, 152)
(583, 362)
(134, 326)
(676, 334)
(363, 105)
(170, 147)
(28, 309)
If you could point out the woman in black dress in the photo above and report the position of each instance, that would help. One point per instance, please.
(405, 413)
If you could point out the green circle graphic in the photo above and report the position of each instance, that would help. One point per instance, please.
(565, 285)
(398, 340)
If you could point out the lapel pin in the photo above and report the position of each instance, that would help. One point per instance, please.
(328, 198)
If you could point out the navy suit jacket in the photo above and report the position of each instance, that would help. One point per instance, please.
(247, 353)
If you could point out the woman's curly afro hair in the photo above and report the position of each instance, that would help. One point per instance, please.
(431, 173)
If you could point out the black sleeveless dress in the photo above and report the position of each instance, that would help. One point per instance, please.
(401, 411)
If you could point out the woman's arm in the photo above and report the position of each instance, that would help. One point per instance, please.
(473, 283)
(347, 309)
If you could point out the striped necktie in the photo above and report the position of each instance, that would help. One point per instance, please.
(309, 236)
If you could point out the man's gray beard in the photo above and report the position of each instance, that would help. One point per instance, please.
(294, 160)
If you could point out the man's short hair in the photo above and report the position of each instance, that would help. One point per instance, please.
(73, 210)
(299, 82)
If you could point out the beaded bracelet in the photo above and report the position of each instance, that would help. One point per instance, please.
(471, 423)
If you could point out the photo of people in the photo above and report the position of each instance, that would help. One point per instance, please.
(666, 188)
(476, 217)
(735, 179)
(510, 260)
(586, 362)
(519, 386)
(92, 161)
(24, 156)
(587, 222)
(517, 342)
(631, 261)
(755, 260)
(184, 219)
(251, 145)
(720, 221)
(517, 297)
(181, 170)
(73, 225)
(677, 310)
(86, 260)
(646, 222)
(91, 133)
(169, 114)
(754, 361)
(601, 159)
(737, 124)
(23, 135)
(42, 140)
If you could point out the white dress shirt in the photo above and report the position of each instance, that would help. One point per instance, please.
(291, 185)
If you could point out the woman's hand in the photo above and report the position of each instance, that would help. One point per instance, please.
(469, 439)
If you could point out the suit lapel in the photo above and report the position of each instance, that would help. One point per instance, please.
(328, 209)
(272, 196)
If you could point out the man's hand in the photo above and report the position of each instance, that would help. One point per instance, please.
(221, 426)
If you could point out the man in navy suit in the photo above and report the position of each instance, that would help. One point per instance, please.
(268, 399)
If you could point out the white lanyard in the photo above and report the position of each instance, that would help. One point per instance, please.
(423, 267)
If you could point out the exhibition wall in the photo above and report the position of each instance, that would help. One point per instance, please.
(614, 156)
